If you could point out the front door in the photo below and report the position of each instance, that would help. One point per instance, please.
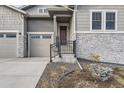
(63, 35)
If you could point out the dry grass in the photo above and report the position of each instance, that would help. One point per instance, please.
(119, 75)
(79, 79)
(85, 80)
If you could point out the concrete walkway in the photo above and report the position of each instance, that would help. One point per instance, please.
(21, 72)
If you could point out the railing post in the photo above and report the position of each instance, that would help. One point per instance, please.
(58, 46)
(59, 49)
(50, 54)
(74, 48)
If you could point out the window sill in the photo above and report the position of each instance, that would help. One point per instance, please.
(100, 31)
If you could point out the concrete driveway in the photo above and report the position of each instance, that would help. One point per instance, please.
(21, 72)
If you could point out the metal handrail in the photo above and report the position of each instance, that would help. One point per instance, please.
(52, 51)
(57, 49)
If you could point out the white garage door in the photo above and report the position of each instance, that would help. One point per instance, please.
(40, 45)
(8, 44)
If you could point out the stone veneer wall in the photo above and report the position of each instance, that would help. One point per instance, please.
(20, 45)
(108, 46)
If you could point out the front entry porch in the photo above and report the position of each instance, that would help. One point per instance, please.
(63, 48)
(63, 28)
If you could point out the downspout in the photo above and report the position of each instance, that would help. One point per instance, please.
(75, 9)
(55, 28)
(75, 21)
(74, 32)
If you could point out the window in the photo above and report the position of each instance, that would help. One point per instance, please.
(1, 35)
(42, 10)
(45, 10)
(96, 20)
(35, 36)
(103, 20)
(46, 36)
(110, 20)
(10, 35)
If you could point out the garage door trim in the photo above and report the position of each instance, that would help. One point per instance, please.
(37, 33)
(11, 31)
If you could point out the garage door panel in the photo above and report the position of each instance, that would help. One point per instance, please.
(40, 47)
(8, 47)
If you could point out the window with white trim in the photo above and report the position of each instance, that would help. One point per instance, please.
(96, 20)
(35, 36)
(42, 10)
(46, 36)
(104, 20)
(110, 20)
(10, 35)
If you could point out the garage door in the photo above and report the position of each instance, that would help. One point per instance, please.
(40, 45)
(8, 45)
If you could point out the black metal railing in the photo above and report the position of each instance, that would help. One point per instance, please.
(67, 48)
(74, 48)
(57, 49)
(53, 51)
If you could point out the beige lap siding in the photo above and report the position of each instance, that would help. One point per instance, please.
(11, 20)
(40, 25)
(83, 15)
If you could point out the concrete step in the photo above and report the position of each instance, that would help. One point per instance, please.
(67, 58)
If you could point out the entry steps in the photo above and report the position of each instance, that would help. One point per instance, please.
(67, 58)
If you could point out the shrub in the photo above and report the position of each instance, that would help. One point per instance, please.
(95, 57)
(101, 72)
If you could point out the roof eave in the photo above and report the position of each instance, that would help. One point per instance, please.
(68, 8)
(57, 9)
(16, 9)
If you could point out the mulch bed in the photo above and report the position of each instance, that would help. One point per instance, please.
(67, 75)
(54, 72)
(84, 79)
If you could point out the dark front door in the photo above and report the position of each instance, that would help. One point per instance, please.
(63, 35)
